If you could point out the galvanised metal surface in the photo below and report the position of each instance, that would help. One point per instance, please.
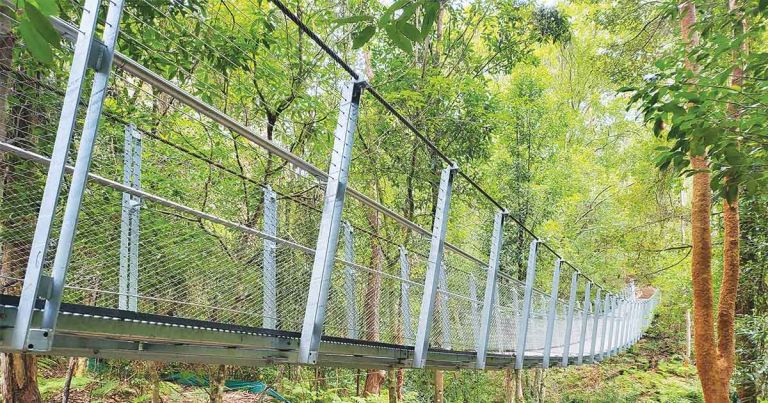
(238, 266)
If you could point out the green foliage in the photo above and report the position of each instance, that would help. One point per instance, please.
(693, 110)
(405, 22)
(35, 28)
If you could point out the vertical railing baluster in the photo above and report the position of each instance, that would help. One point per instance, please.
(133, 278)
(125, 224)
(328, 235)
(522, 328)
(569, 320)
(551, 314)
(612, 325)
(604, 331)
(584, 321)
(491, 289)
(434, 265)
(595, 325)
(269, 260)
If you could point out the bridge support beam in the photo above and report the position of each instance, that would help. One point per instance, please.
(328, 235)
(128, 286)
(434, 266)
(522, 327)
(584, 320)
(40, 339)
(569, 320)
(269, 260)
(491, 288)
(551, 314)
(595, 325)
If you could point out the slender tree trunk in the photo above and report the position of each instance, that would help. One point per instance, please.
(709, 361)
(154, 370)
(217, 384)
(726, 315)
(439, 386)
(374, 378)
(392, 385)
(68, 379)
(509, 387)
(519, 385)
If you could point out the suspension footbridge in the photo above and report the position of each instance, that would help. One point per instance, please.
(191, 226)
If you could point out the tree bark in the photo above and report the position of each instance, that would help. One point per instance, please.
(509, 387)
(392, 385)
(68, 379)
(217, 384)
(519, 385)
(709, 361)
(19, 374)
(439, 387)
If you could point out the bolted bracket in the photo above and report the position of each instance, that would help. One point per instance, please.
(97, 55)
(39, 339)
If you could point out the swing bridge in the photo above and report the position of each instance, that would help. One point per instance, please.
(179, 231)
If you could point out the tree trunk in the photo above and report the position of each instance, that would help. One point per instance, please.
(509, 387)
(519, 385)
(19, 378)
(374, 378)
(688, 336)
(373, 381)
(217, 384)
(439, 386)
(392, 385)
(154, 371)
(709, 362)
(68, 379)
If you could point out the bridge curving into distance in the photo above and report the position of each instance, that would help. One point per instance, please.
(186, 228)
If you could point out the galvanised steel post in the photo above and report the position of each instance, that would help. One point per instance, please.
(41, 339)
(33, 276)
(445, 315)
(584, 321)
(569, 320)
(128, 281)
(619, 322)
(595, 325)
(491, 288)
(434, 266)
(551, 314)
(604, 332)
(405, 287)
(269, 260)
(522, 328)
(133, 278)
(349, 281)
(328, 236)
(612, 321)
